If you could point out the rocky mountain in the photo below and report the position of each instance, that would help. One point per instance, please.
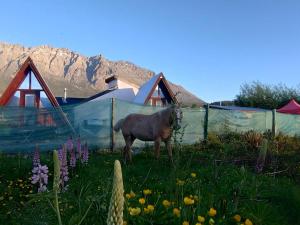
(82, 76)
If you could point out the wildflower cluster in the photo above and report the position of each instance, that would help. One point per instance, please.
(40, 177)
(85, 154)
(70, 147)
(39, 172)
(183, 208)
(62, 156)
(81, 152)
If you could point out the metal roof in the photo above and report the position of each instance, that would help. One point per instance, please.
(145, 89)
(238, 108)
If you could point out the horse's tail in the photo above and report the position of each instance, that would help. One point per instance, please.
(118, 125)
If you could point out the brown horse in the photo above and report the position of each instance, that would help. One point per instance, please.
(156, 127)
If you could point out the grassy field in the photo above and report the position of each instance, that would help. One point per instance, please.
(195, 186)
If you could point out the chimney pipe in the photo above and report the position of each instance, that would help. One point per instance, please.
(65, 94)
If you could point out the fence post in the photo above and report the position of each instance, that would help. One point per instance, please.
(273, 122)
(112, 144)
(206, 122)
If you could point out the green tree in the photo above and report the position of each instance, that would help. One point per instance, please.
(265, 96)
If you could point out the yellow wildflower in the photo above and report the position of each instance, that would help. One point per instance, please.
(147, 192)
(134, 211)
(212, 212)
(176, 212)
(132, 194)
(198, 224)
(193, 175)
(179, 182)
(149, 209)
(201, 219)
(185, 223)
(166, 203)
(211, 221)
(142, 201)
(248, 222)
(237, 218)
(188, 201)
(128, 196)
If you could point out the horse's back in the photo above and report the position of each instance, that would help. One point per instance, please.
(139, 125)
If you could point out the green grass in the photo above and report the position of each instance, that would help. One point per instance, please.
(230, 189)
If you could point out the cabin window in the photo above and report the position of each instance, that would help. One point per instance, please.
(25, 83)
(30, 100)
(35, 84)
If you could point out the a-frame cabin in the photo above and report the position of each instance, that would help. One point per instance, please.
(156, 92)
(29, 89)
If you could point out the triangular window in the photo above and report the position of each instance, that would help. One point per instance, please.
(35, 84)
(26, 82)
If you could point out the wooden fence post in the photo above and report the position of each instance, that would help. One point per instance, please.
(274, 122)
(112, 144)
(206, 122)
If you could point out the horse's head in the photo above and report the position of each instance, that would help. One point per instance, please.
(177, 116)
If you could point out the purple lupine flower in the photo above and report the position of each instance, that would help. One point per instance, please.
(85, 154)
(70, 144)
(62, 156)
(78, 155)
(36, 157)
(72, 158)
(40, 177)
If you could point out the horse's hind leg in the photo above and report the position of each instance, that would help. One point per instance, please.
(124, 153)
(157, 148)
(169, 148)
(127, 150)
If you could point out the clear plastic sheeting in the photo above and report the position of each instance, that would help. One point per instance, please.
(192, 127)
(220, 121)
(288, 124)
(22, 129)
(92, 122)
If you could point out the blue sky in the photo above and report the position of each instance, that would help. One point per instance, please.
(209, 47)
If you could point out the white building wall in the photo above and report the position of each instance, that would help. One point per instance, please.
(122, 85)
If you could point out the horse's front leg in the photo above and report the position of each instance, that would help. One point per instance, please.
(127, 150)
(124, 153)
(169, 148)
(157, 148)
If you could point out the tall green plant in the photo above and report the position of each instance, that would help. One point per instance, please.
(56, 185)
(115, 213)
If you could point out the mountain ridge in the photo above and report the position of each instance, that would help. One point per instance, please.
(83, 76)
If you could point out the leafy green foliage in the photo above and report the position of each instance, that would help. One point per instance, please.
(265, 96)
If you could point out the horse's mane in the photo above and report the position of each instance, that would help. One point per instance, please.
(166, 112)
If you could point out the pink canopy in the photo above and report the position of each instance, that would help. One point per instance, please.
(291, 108)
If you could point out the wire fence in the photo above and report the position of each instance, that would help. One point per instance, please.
(21, 129)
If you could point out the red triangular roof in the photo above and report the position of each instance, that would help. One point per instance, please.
(19, 78)
(148, 88)
(291, 108)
